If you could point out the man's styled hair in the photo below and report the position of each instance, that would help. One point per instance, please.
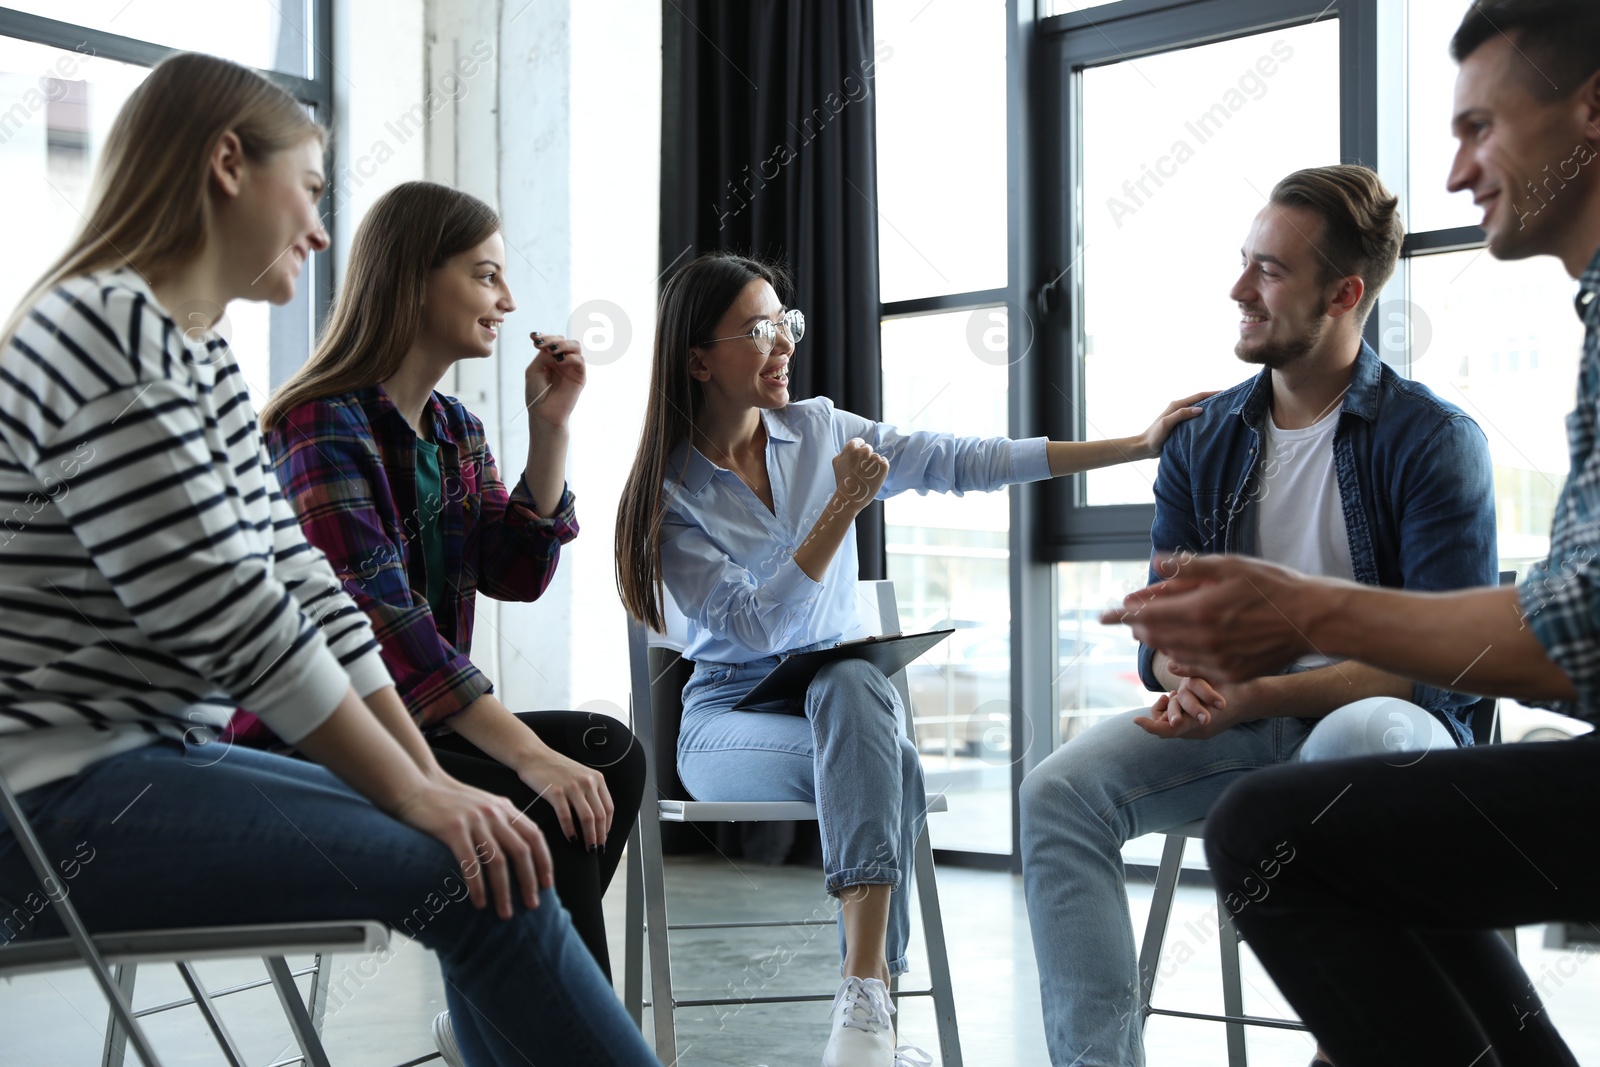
(1558, 40)
(1362, 231)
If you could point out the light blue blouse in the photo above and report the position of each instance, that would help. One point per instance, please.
(728, 562)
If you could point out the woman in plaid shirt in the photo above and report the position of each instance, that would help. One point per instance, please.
(159, 580)
(395, 483)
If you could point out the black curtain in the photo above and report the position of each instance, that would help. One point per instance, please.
(768, 147)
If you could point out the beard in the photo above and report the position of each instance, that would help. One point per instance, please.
(1275, 355)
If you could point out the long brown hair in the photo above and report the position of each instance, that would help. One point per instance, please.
(412, 229)
(692, 303)
(149, 206)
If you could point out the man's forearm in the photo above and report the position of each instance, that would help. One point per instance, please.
(1474, 641)
(1314, 693)
(1308, 694)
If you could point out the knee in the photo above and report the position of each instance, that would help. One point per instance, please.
(1048, 797)
(910, 762)
(1243, 828)
(1375, 726)
(853, 686)
(1034, 792)
(619, 755)
(602, 741)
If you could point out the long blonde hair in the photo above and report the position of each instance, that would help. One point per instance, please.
(149, 206)
(412, 229)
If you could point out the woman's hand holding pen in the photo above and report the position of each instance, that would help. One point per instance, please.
(551, 386)
(554, 379)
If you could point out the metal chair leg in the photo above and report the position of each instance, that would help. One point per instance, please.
(319, 990)
(944, 999)
(22, 830)
(662, 1003)
(1232, 985)
(305, 1034)
(1155, 928)
(633, 953)
(115, 1053)
(208, 1011)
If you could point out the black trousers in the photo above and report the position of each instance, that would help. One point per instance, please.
(597, 741)
(1371, 888)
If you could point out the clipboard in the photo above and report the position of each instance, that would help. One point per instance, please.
(789, 679)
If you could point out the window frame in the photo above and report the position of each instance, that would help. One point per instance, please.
(289, 349)
(1073, 531)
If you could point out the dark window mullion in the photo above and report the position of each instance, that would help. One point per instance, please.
(929, 305)
(1435, 242)
(71, 37)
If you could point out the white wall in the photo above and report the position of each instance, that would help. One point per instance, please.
(616, 153)
(550, 111)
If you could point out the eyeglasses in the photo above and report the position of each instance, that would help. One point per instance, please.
(765, 333)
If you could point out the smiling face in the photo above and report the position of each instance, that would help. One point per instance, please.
(465, 301)
(1528, 162)
(274, 221)
(733, 372)
(1283, 301)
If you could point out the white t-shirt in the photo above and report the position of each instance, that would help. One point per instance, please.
(1300, 518)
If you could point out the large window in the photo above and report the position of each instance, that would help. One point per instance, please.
(943, 254)
(1175, 121)
(1176, 163)
(61, 86)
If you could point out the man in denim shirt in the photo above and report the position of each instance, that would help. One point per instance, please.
(1370, 891)
(1327, 461)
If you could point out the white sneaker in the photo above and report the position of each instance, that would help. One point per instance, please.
(861, 1035)
(444, 1039)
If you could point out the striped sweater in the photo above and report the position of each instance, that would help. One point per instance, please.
(152, 576)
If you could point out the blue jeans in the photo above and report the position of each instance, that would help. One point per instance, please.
(847, 753)
(1115, 783)
(169, 836)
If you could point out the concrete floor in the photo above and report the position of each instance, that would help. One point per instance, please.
(379, 1014)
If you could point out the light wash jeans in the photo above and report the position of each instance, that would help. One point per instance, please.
(847, 753)
(169, 835)
(1116, 782)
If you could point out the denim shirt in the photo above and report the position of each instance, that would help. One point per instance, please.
(1560, 597)
(1415, 481)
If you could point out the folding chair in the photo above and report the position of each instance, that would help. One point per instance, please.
(112, 958)
(1486, 731)
(658, 675)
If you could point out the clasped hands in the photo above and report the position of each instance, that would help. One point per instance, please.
(1197, 709)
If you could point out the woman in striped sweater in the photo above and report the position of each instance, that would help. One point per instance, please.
(395, 483)
(153, 577)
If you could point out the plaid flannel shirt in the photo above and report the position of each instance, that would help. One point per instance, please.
(1560, 597)
(348, 465)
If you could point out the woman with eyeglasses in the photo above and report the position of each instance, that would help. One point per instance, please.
(161, 580)
(741, 504)
(395, 483)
